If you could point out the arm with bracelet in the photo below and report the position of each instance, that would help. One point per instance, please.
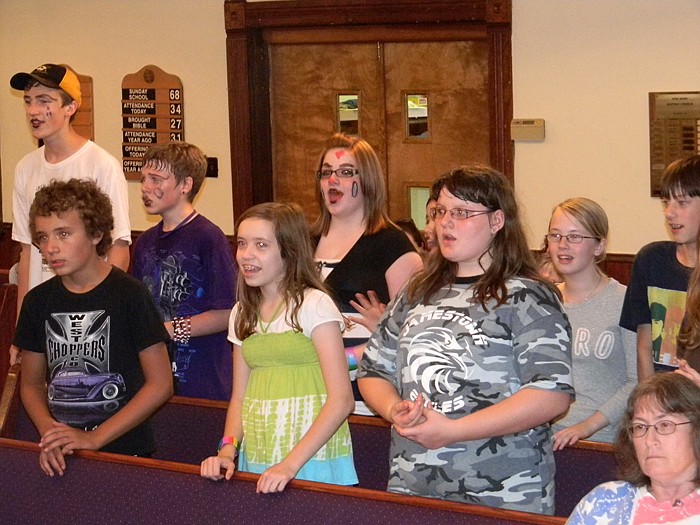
(231, 442)
(181, 329)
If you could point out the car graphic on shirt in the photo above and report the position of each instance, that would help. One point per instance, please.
(85, 400)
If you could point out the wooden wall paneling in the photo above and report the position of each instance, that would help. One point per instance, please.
(619, 266)
(8, 317)
(261, 140)
(249, 25)
(239, 103)
(501, 87)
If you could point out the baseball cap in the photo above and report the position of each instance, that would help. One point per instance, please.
(53, 76)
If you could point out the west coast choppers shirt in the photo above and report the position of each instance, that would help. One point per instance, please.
(463, 359)
(92, 343)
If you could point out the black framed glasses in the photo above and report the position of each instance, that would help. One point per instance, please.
(341, 173)
(573, 238)
(663, 428)
(458, 214)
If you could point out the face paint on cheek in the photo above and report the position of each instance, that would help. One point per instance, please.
(158, 193)
(355, 188)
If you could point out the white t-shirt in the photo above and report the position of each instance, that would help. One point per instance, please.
(318, 308)
(90, 162)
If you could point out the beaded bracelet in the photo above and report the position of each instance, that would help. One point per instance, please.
(182, 329)
(229, 440)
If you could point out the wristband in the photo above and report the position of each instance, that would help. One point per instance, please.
(229, 440)
(182, 329)
(350, 356)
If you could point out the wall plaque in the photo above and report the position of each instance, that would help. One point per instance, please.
(84, 120)
(152, 113)
(674, 122)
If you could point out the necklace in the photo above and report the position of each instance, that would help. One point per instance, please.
(675, 501)
(179, 224)
(264, 327)
(590, 294)
(597, 284)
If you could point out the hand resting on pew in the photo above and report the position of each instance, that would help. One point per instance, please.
(212, 467)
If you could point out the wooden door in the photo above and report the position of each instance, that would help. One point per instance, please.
(454, 78)
(305, 81)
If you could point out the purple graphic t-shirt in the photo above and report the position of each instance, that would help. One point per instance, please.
(190, 270)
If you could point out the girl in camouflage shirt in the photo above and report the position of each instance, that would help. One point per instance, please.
(473, 359)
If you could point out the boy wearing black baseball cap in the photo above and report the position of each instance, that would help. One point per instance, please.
(52, 76)
(51, 98)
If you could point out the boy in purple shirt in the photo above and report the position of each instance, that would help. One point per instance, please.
(187, 264)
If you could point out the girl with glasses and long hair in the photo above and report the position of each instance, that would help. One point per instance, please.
(364, 257)
(473, 359)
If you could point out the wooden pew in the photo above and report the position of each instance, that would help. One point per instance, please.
(8, 320)
(187, 431)
(107, 488)
(579, 468)
(10, 403)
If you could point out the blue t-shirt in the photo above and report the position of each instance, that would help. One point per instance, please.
(656, 296)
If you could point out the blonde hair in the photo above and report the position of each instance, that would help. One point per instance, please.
(591, 216)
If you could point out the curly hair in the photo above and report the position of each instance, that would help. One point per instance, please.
(92, 205)
(300, 270)
(182, 160)
(372, 185)
(509, 250)
(671, 393)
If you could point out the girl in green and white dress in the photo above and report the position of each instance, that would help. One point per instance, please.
(291, 391)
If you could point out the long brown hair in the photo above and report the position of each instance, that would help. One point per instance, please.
(300, 270)
(372, 185)
(688, 338)
(509, 251)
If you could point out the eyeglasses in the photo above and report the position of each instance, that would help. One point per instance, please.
(573, 238)
(458, 214)
(341, 173)
(663, 428)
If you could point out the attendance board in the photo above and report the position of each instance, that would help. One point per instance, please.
(152, 113)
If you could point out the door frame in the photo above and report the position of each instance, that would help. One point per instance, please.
(251, 27)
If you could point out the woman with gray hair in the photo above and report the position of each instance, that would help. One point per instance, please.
(658, 447)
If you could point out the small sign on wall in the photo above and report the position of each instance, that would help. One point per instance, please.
(152, 113)
(674, 131)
